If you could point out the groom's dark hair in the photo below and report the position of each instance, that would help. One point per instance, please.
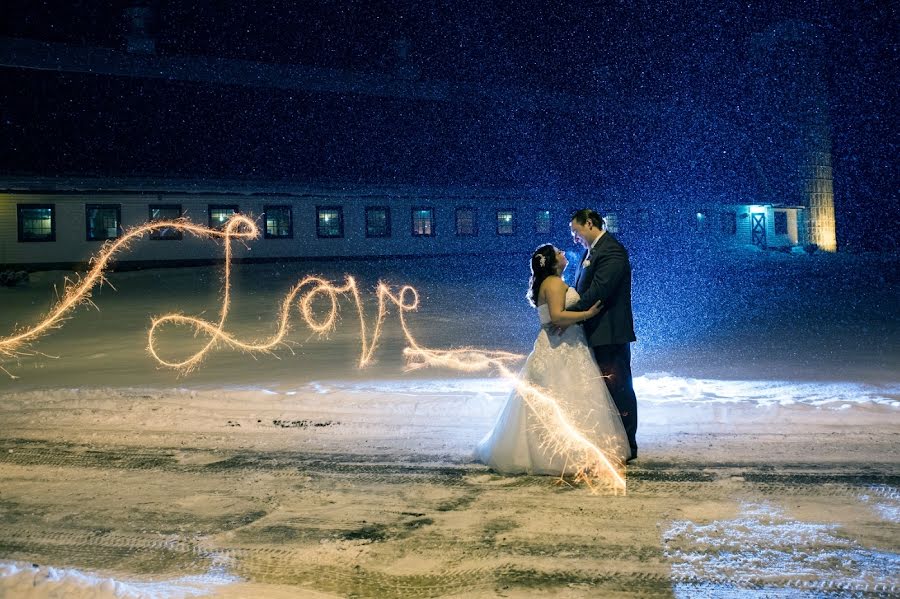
(586, 214)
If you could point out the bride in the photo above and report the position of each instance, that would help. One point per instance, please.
(562, 367)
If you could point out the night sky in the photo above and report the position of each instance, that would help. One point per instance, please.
(670, 118)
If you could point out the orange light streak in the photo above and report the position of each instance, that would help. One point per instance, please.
(78, 292)
(562, 437)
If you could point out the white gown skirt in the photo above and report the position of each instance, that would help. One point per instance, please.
(526, 437)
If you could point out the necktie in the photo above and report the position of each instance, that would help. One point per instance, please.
(581, 268)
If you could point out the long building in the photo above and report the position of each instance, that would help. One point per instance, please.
(52, 223)
(659, 174)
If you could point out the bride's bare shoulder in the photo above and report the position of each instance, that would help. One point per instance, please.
(553, 283)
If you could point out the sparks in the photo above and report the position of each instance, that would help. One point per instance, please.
(592, 465)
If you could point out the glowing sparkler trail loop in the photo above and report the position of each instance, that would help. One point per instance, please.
(76, 293)
(594, 467)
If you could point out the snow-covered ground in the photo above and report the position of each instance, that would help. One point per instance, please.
(769, 397)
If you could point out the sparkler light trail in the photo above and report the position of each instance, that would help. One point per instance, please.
(591, 464)
(78, 292)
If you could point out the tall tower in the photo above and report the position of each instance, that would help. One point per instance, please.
(791, 131)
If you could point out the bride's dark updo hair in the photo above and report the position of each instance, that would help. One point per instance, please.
(543, 264)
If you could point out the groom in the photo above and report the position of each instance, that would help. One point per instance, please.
(605, 274)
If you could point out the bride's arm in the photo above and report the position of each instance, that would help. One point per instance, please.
(554, 290)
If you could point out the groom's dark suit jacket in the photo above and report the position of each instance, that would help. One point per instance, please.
(607, 278)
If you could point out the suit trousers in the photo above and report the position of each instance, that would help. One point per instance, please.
(615, 364)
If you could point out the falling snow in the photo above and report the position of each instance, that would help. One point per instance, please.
(767, 381)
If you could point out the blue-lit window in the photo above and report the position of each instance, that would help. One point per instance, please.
(641, 219)
(465, 222)
(165, 212)
(542, 221)
(37, 222)
(423, 222)
(329, 221)
(506, 221)
(378, 221)
(702, 220)
(781, 223)
(103, 221)
(728, 224)
(611, 222)
(279, 222)
(220, 213)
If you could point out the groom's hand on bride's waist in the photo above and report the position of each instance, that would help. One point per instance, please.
(559, 329)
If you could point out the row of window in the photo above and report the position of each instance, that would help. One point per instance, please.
(37, 222)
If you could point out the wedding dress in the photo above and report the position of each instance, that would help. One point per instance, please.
(563, 367)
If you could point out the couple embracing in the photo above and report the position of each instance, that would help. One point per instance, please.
(581, 357)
